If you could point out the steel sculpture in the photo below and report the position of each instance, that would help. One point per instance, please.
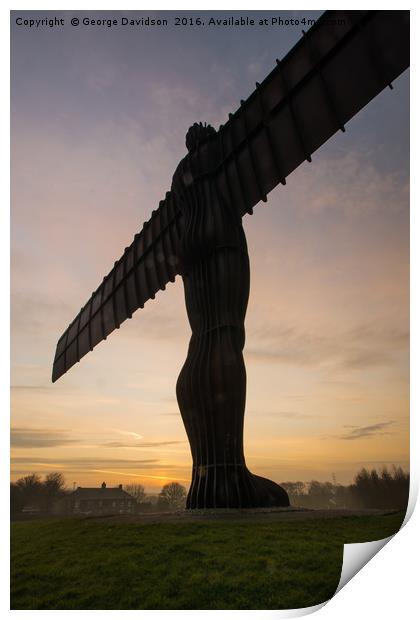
(336, 68)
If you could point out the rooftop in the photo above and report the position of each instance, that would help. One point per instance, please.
(101, 492)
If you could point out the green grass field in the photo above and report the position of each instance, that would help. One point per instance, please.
(100, 564)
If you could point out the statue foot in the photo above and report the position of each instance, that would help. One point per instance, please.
(271, 494)
(233, 487)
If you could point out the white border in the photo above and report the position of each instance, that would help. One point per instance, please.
(386, 586)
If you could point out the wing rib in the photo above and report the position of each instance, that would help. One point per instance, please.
(146, 266)
(345, 60)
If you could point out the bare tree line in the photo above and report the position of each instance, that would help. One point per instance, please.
(172, 496)
(33, 494)
(386, 488)
(31, 490)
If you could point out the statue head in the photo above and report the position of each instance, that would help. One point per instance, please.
(197, 134)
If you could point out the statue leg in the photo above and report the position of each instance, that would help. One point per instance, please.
(211, 388)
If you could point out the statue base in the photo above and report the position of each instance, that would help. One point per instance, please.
(233, 486)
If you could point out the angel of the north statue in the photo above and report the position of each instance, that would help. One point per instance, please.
(334, 70)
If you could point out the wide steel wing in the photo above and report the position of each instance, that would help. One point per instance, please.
(337, 67)
(345, 60)
(146, 266)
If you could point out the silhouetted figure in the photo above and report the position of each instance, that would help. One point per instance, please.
(211, 388)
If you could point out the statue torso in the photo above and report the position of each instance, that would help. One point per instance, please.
(209, 223)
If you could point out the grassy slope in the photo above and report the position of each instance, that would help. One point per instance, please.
(94, 564)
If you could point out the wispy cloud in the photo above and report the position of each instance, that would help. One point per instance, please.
(365, 346)
(40, 438)
(45, 314)
(361, 432)
(289, 415)
(148, 444)
(24, 388)
(335, 180)
(128, 433)
(87, 463)
(106, 471)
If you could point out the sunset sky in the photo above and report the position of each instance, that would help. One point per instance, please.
(99, 117)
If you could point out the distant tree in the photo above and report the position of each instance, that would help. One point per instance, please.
(401, 480)
(320, 494)
(137, 491)
(31, 489)
(384, 489)
(54, 488)
(295, 490)
(299, 488)
(172, 496)
(342, 496)
(17, 500)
